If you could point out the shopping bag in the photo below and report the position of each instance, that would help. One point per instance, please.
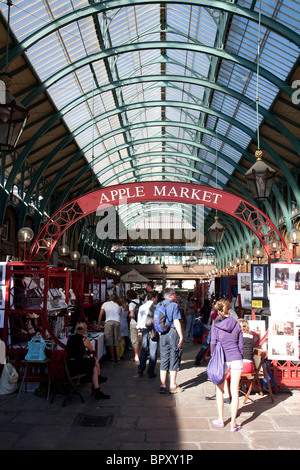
(36, 349)
(216, 367)
(8, 380)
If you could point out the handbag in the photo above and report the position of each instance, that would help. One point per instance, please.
(9, 379)
(36, 349)
(216, 367)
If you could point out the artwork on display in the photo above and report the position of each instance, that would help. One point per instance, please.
(244, 289)
(285, 278)
(258, 273)
(283, 339)
(2, 297)
(284, 326)
(259, 284)
(103, 291)
(258, 327)
(2, 273)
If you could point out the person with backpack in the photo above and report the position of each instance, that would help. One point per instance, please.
(170, 342)
(134, 304)
(228, 332)
(149, 347)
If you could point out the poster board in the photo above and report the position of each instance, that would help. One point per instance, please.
(284, 323)
(285, 279)
(244, 289)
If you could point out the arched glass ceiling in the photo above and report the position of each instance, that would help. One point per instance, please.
(153, 90)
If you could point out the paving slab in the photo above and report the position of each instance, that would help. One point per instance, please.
(138, 418)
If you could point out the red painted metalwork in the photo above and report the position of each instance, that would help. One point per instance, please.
(75, 210)
(286, 373)
(26, 312)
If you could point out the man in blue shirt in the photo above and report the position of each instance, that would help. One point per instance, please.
(170, 344)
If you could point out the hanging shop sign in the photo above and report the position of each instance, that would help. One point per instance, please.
(162, 191)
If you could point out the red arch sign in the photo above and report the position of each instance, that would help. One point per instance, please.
(163, 191)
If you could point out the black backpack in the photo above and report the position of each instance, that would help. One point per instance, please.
(149, 323)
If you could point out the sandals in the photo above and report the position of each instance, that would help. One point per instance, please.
(236, 427)
(218, 423)
(175, 389)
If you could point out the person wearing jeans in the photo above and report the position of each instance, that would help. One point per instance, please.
(149, 347)
(189, 311)
(170, 344)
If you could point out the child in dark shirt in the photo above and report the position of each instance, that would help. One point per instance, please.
(248, 340)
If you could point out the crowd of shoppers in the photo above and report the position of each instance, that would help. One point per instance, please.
(128, 326)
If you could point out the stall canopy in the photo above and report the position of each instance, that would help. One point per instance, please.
(134, 276)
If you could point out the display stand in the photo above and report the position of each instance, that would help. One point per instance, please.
(34, 304)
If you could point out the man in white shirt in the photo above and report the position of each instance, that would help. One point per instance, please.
(134, 304)
(112, 332)
(149, 347)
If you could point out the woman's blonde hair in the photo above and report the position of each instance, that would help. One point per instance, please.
(223, 307)
(122, 302)
(80, 328)
(244, 325)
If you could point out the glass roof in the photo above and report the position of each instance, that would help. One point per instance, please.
(159, 90)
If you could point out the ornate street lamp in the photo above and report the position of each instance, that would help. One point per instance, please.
(75, 255)
(63, 250)
(258, 253)
(293, 236)
(25, 235)
(164, 269)
(216, 231)
(200, 253)
(260, 178)
(13, 115)
(186, 267)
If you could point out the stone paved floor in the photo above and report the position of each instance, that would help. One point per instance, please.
(142, 419)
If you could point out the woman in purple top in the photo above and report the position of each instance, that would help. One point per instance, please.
(228, 331)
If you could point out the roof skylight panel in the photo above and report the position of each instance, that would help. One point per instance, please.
(84, 78)
(285, 52)
(130, 63)
(202, 26)
(289, 15)
(131, 22)
(77, 116)
(65, 91)
(84, 138)
(100, 73)
(231, 152)
(47, 56)
(199, 61)
(27, 18)
(107, 100)
(72, 42)
(247, 116)
(236, 135)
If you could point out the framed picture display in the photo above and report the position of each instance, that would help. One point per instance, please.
(259, 281)
(2, 273)
(244, 289)
(285, 279)
(283, 341)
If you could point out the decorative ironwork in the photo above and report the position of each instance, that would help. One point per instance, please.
(242, 210)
